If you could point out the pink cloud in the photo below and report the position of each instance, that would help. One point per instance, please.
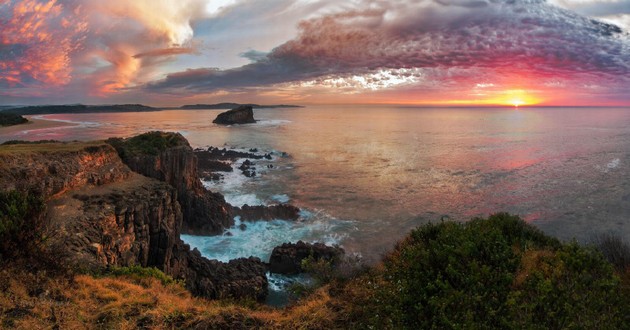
(499, 41)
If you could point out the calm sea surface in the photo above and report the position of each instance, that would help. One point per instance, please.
(365, 176)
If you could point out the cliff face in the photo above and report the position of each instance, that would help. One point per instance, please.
(100, 214)
(52, 168)
(205, 213)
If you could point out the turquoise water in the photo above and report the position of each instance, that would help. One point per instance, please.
(365, 176)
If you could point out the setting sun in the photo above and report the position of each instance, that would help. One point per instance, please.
(517, 102)
(518, 97)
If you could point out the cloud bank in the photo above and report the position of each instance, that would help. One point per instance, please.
(95, 47)
(433, 41)
(412, 50)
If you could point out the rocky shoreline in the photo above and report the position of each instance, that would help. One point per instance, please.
(126, 202)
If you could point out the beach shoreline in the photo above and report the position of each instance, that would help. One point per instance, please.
(33, 124)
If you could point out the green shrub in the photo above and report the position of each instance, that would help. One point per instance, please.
(21, 219)
(495, 273)
(151, 143)
(571, 288)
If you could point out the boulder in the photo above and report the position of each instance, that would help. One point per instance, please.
(243, 114)
(287, 258)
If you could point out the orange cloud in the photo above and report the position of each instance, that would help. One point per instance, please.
(95, 47)
(35, 46)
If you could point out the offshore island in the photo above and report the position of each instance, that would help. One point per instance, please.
(90, 236)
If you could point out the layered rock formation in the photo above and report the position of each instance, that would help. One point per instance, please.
(168, 157)
(287, 258)
(243, 114)
(52, 168)
(101, 214)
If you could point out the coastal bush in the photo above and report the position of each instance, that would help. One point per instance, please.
(570, 288)
(496, 273)
(21, 219)
(151, 143)
(615, 250)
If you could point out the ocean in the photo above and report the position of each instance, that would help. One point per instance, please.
(364, 176)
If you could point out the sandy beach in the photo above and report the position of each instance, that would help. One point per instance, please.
(33, 124)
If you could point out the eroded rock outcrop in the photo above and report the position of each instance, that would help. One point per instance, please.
(168, 157)
(287, 258)
(243, 114)
(101, 214)
(52, 168)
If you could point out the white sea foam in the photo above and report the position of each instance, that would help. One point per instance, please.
(614, 163)
(260, 237)
(242, 199)
(80, 124)
(272, 122)
(279, 282)
(281, 198)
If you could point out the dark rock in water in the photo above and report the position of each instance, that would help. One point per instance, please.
(287, 258)
(209, 176)
(244, 277)
(248, 169)
(261, 212)
(206, 164)
(213, 153)
(242, 226)
(243, 114)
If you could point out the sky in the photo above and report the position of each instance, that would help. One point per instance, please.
(425, 52)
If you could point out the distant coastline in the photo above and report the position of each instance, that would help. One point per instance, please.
(235, 105)
(81, 108)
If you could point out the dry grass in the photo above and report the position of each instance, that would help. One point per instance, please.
(47, 147)
(41, 301)
(107, 303)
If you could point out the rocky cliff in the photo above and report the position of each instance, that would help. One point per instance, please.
(168, 157)
(53, 168)
(101, 214)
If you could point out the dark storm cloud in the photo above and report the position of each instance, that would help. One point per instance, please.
(519, 37)
(254, 55)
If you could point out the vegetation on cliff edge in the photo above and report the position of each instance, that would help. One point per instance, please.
(495, 273)
(151, 143)
(21, 221)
